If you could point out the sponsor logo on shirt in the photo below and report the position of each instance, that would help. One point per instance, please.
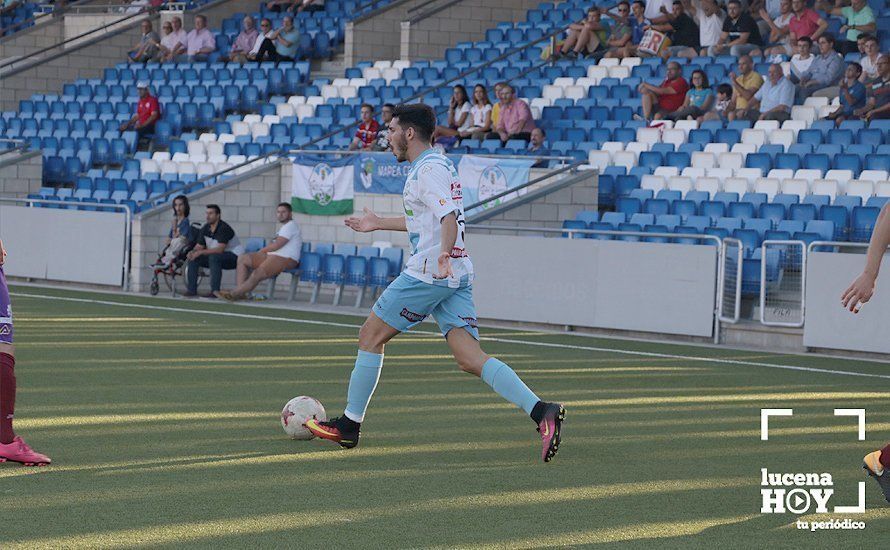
(411, 316)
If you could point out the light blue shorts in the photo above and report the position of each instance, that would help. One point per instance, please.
(408, 301)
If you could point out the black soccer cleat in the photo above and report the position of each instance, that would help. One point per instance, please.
(339, 430)
(550, 428)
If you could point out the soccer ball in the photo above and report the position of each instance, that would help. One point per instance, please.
(297, 411)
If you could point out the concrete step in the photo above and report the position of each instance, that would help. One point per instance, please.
(752, 334)
(323, 68)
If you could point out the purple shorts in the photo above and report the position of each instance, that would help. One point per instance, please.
(5, 311)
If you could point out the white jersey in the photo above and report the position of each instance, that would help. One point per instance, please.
(432, 191)
(294, 245)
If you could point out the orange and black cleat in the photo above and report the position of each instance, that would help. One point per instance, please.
(875, 468)
(340, 430)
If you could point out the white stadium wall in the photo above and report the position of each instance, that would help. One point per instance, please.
(828, 325)
(648, 287)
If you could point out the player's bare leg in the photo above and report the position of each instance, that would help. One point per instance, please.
(877, 465)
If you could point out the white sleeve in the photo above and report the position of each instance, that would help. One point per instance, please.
(435, 192)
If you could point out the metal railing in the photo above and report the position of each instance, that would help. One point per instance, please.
(730, 280)
(128, 216)
(783, 291)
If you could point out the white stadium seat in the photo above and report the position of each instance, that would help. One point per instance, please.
(825, 187)
(652, 182)
(859, 188)
(716, 148)
(667, 171)
(675, 136)
(637, 147)
(703, 160)
(754, 136)
(809, 174)
(680, 183)
(709, 185)
(781, 173)
(781, 137)
(730, 160)
(736, 185)
(628, 159)
(648, 135)
(840, 176)
(798, 187)
(600, 159)
(768, 186)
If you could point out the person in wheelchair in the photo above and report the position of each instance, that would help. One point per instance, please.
(282, 254)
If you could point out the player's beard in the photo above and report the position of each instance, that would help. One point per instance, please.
(401, 152)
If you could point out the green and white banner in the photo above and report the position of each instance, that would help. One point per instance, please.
(323, 187)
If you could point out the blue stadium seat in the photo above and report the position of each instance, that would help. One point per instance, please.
(825, 229)
(863, 223)
(840, 216)
(773, 212)
(743, 210)
(574, 224)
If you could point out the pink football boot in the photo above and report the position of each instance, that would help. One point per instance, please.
(19, 451)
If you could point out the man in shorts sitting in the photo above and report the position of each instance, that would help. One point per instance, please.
(281, 254)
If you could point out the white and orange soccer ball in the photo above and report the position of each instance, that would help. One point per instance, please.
(295, 414)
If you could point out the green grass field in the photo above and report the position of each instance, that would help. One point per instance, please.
(162, 422)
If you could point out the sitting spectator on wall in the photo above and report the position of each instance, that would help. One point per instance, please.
(878, 103)
(781, 42)
(744, 86)
(638, 25)
(480, 113)
(773, 101)
(825, 72)
(287, 40)
(620, 34)
(852, 94)
(459, 119)
(218, 248)
(281, 254)
(683, 31)
(199, 42)
(148, 111)
(805, 22)
(859, 18)
(723, 105)
(382, 143)
(180, 231)
(869, 59)
(366, 134)
(516, 121)
(740, 35)
(244, 41)
(709, 18)
(146, 49)
(801, 61)
(699, 99)
(664, 99)
(264, 46)
(587, 37)
(173, 42)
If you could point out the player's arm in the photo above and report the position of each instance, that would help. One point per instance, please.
(372, 222)
(449, 237)
(863, 287)
(276, 244)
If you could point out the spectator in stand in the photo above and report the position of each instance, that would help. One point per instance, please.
(244, 41)
(281, 254)
(780, 40)
(480, 112)
(801, 61)
(264, 46)
(382, 143)
(805, 22)
(878, 103)
(287, 40)
(710, 24)
(658, 11)
(773, 101)
(665, 99)
(825, 72)
(620, 36)
(180, 231)
(537, 143)
(767, 11)
(148, 111)
(147, 47)
(740, 35)
(218, 248)
(199, 43)
(723, 106)
(173, 42)
(638, 25)
(366, 134)
(852, 93)
(859, 19)
(516, 121)
(683, 30)
(459, 119)
(744, 86)
(869, 59)
(496, 108)
(699, 99)
(295, 6)
(587, 37)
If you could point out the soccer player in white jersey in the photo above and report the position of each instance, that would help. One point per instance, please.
(877, 463)
(437, 281)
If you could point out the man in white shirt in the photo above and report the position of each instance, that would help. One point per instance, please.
(801, 61)
(282, 254)
(710, 25)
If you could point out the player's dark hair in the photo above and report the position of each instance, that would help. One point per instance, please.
(186, 209)
(215, 208)
(368, 105)
(390, 105)
(856, 66)
(419, 116)
(725, 89)
(543, 132)
(734, 2)
(806, 39)
(828, 37)
(704, 79)
(286, 205)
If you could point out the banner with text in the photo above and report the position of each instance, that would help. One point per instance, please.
(323, 186)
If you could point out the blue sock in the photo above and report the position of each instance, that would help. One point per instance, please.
(508, 385)
(362, 383)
